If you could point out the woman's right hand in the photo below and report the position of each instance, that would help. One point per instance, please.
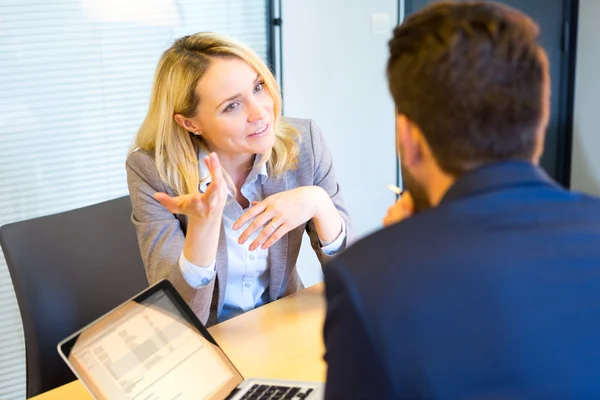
(198, 206)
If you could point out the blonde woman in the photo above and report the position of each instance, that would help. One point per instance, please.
(223, 187)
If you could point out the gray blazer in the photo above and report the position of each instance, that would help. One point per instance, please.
(161, 235)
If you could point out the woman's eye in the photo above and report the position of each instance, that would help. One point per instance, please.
(231, 107)
(258, 87)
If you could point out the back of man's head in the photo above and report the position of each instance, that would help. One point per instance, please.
(473, 78)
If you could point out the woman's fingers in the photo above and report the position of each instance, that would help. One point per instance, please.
(268, 229)
(168, 202)
(252, 212)
(260, 220)
(214, 167)
(276, 235)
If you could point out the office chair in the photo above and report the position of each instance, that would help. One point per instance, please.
(67, 270)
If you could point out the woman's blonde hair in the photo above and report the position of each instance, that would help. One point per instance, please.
(177, 74)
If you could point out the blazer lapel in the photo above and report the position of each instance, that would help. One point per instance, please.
(222, 268)
(278, 252)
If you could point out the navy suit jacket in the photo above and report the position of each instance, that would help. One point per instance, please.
(493, 294)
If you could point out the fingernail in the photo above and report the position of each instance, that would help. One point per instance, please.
(264, 247)
(252, 248)
(241, 240)
(235, 226)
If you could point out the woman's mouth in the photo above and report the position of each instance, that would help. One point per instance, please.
(260, 132)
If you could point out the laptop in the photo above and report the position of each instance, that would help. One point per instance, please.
(153, 347)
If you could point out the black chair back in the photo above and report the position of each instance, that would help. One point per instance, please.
(67, 270)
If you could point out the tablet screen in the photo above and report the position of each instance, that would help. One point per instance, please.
(149, 350)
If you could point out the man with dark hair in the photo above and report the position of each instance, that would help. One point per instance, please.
(485, 284)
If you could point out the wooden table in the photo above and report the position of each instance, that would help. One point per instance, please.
(281, 340)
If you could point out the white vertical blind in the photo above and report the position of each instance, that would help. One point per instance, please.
(75, 77)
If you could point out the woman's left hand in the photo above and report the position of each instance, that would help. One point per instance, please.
(280, 213)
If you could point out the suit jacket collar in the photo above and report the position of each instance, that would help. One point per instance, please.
(497, 176)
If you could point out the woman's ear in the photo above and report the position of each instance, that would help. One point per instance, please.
(187, 124)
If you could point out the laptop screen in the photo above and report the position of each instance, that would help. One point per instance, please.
(151, 347)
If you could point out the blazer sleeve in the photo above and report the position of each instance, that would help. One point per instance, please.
(324, 176)
(160, 235)
(353, 369)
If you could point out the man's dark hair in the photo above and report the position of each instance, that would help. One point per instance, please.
(471, 76)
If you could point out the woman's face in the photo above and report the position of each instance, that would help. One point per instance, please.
(235, 114)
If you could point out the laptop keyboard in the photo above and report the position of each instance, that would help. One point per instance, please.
(272, 392)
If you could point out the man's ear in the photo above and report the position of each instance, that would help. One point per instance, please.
(187, 124)
(409, 141)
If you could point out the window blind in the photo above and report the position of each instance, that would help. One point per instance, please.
(75, 79)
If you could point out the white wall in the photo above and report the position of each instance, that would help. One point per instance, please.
(334, 73)
(585, 173)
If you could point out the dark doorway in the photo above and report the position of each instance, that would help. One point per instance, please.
(558, 25)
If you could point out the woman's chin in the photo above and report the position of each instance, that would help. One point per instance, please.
(263, 143)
